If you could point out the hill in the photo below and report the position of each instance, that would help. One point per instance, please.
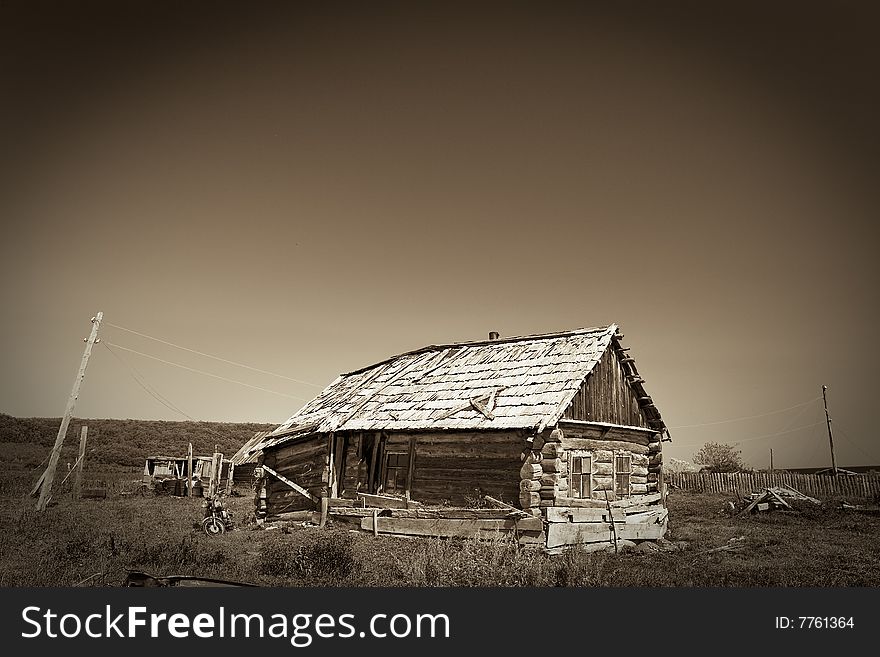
(25, 442)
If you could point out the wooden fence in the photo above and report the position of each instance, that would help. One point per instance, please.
(860, 486)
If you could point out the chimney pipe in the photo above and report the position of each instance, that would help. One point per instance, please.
(494, 335)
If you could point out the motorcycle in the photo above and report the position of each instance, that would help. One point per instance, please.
(217, 518)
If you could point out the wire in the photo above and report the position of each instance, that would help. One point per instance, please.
(748, 417)
(139, 379)
(215, 376)
(768, 435)
(142, 382)
(839, 428)
(224, 360)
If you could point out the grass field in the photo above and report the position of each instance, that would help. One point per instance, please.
(70, 542)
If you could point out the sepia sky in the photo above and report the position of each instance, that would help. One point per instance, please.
(307, 189)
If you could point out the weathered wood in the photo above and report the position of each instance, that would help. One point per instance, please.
(532, 538)
(553, 465)
(656, 515)
(299, 489)
(498, 503)
(603, 469)
(531, 471)
(553, 450)
(530, 485)
(559, 534)
(45, 484)
(529, 499)
(80, 462)
(410, 465)
(615, 445)
(565, 514)
(435, 513)
(641, 500)
(382, 501)
(470, 528)
(372, 485)
(607, 431)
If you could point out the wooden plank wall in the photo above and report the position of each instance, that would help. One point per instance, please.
(450, 466)
(302, 462)
(855, 486)
(606, 396)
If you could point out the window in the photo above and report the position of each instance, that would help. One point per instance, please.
(622, 474)
(580, 474)
(395, 473)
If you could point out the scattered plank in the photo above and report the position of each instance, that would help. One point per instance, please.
(383, 501)
(448, 528)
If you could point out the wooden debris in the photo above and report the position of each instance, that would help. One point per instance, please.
(774, 498)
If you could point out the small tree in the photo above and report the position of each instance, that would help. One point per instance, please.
(718, 457)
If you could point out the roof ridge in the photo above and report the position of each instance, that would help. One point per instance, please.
(477, 343)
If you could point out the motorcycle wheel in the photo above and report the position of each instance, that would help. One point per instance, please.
(213, 526)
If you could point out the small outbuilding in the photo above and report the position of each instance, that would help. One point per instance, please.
(556, 429)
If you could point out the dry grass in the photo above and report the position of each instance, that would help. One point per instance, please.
(73, 541)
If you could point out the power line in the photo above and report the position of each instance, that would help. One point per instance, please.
(215, 376)
(155, 394)
(748, 417)
(139, 379)
(852, 442)
(223, 360)
(768, 435)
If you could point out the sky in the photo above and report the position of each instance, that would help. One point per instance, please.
(309, 188)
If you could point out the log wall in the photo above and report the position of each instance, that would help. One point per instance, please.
(602, 443)
(304, 463)
(453, 466)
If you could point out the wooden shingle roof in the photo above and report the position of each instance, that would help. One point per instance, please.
(509, 383)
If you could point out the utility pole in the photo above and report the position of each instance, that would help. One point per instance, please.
(771, 459)
(49, 474)
(830, 437)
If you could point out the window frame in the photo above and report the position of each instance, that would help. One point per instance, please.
(618, 492)
(401, 469)
(581, 454)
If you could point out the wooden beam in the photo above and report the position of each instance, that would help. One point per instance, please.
(382, 501)
(448, 528)
(574, 533)
(299, 489)
(410, 466)
(189, 470)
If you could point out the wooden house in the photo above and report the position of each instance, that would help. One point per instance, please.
(558, 426)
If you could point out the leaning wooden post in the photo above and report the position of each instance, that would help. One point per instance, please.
(325, 507)
(49, 475)
(229, 479)
(77, 480)
(189, 470)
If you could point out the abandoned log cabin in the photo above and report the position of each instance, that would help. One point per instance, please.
(558, 425)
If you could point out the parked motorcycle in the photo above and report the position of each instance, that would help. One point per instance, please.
(217, 518)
